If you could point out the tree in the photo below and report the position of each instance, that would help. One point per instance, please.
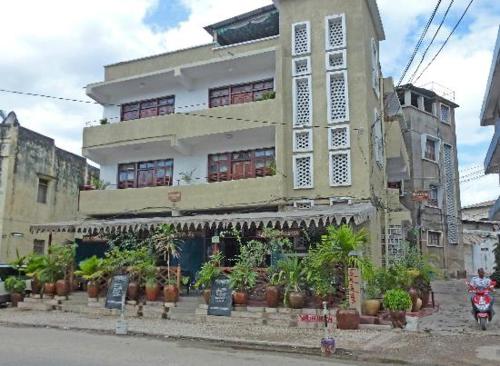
(166, 244)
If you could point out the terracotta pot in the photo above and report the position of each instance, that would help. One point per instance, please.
(36, 286)
(398, 319)
(296, 300)
(348, 319)
(171, 293)
(425, 299)
(272, 296)
(15, 298)
(414, 296)
(152, 292)
(206, 295)
(49, 288)
(371, 307)
(240, 298)
(133, 291)
(92, 290)
(62, 288)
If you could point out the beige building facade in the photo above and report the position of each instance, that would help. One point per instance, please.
(38, 183)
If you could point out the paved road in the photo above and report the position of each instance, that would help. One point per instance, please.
(49, 347)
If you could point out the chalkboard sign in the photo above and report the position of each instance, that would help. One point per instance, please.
(221, 299)
(116, 291)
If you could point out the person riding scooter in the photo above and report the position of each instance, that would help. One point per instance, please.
(482, 283)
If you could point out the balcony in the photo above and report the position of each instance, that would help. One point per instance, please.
(179, 131)
(492, 161)
(196, 197)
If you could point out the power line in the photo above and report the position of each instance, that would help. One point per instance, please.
(432, 41)
(49, 96)
(446, 41)
(419, 43)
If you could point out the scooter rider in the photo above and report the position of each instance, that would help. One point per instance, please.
(481, 282)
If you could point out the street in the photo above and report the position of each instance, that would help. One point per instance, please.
(49, 347)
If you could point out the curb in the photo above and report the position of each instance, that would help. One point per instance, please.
(271, 347)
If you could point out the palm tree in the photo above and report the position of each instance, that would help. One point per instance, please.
(166, 244)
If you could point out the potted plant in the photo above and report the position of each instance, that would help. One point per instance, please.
(91, 270)
(16, 286)
(208, 274)
(397, 301)
(187, 176)
(274, 285)
(242, 279)
(34, 263)
(167, 245)
(49, 273)
(293, 274)
(149, 272)
(64, 257)
(347, 318)
(371, 305)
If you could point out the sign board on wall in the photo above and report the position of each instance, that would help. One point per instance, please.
(354, 289)
(420, 196)
(174, 196)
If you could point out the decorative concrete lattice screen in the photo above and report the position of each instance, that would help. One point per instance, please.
(303, 171)
(301, 66)
(302, 103)
(336, 60)
(339, 137)
(337, 97)
(302, 141)
(451, 206)
(304, 205)
(340, 168)
(301, 40)
(335, 32)
(378, 140)
(394, 240)
(375, 68)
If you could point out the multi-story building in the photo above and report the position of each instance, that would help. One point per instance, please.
(490, 116)
(39, 183)
(432, 193)
(277, 122)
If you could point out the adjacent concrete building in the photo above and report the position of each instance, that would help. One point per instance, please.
(490, 116)
(481, 236)
(38, 183)
(432, 191)
(278, 122)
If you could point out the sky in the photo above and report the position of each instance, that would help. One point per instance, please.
(57, 47)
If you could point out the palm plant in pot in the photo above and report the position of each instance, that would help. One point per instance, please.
(293, 274)
(167, 245)
(371, 305)
(64, 256)
(91, 270)
(49, 273)
(16, 287)
(208, 273)
(276, 281)
(242, 279)
(148, 272)
(33, 264)
(397, 301)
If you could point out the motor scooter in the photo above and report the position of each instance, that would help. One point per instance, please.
(482, 307)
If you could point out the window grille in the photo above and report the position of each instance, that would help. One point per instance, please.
(302, 140)
(338, 137)
(39, 246)
(340, 168)
(301, 66)
(394, 240)
(301, 38)
(451, 206)
(303, 171)
(336, 60)
(335, 32)
(304, 204)
(375, 68)
(338, 104)
(433, 239)
(378, 140)
(445, 113)
(433, 196)
(302, 101)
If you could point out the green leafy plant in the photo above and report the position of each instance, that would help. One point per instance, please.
(119, 261)
(209, 271)
(127, 240)
(187, 176)
(372, 291)
(267, 95)
(15, 285)
(278, 244)
(242, 278)
(99, 184)
(253, 253)
(91, 269)
(103, 121)
(397, 300)
(64, 256)
(166, 244)
(34, 263)
(292, 273)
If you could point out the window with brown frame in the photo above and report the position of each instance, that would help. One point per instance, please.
(433, 196)
(241, 93)
(433, 238)
(430, 149)
(240, 165)
(146, 174)
(148, 108)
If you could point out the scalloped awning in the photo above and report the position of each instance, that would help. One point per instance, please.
(356, 213)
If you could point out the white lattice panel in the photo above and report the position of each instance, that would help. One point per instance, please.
(304, 204)
(302, 141)
(375, 68)
(340, 168)
(338, 100)
(301, 66)
(394, 241)
(338, 137)
(301, 38)
(336, 60)
(378, 140)
(335, 32)
(303, 171)
(451, 206)
(302, 101)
